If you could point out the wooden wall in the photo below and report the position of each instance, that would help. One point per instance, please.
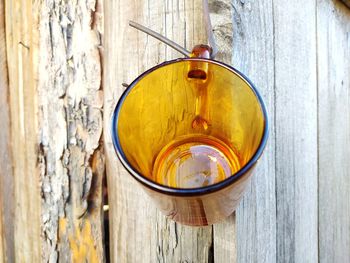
(281, 218)
(62, 65)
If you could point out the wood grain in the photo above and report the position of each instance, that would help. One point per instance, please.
(297, 207)
(296, 130)
(225, 240)
(56, 126)
(333, 49)
(20, 16)
(139, 233)
(253, 54)
(6, 175)
(221, 13)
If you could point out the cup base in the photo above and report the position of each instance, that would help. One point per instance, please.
(193, 162)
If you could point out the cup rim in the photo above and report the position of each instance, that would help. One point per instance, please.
(188, 191)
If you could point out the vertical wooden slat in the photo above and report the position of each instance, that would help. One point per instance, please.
(221, 14)
(296, 130)
(253, 54)
(56, 125)
(70, 154)
(333, 49)
(21, 46)
(138, 232)
(6, 176)
(225, 241)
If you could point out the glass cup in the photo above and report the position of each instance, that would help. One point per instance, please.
(191, 132)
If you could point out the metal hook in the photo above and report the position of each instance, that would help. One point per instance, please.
(167, 41)
(161, 38)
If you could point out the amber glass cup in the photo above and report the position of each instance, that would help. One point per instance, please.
(191, 131)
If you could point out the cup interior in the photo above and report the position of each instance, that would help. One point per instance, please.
(189, 117)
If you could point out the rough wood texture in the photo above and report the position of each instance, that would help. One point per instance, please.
(296, 130)
(225, 239)
(56, 105)
(253, 54)
(70, 121)
(139, 233)
(221, 13)
(297, 207)
(6, 176)
(333, 49)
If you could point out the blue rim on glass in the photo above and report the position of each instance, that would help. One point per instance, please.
(187, 191)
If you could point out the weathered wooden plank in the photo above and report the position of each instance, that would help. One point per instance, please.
(6, 176)
(253, 54)
(70, 127)
(56, 105)
(134, 221)
(21, 50)
(221, 14)
(296, 130)
(333, 49)
(225, 240)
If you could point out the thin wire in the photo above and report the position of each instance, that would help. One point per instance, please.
(209, 28)
(161, 38)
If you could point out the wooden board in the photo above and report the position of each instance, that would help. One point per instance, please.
(138, 232)
(6, 175)
(21, 50)
(221, 13)
(296, 130)
(56, 124)
(253, 54)
(275, 45)
(70, 126)
(333, 49)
